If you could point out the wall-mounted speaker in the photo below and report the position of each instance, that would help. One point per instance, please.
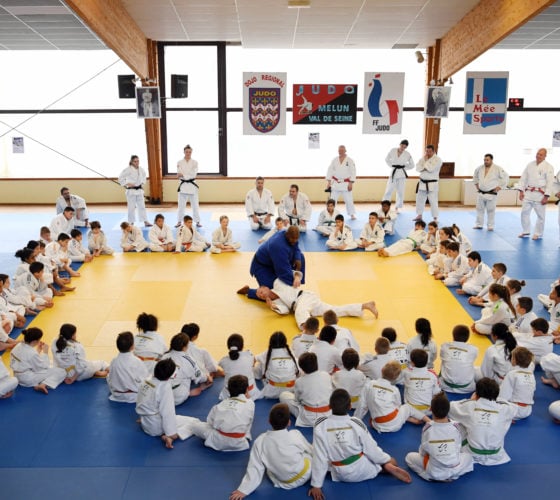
(127, 86)
(179, 86)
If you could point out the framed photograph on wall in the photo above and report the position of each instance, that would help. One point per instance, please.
(147, 102)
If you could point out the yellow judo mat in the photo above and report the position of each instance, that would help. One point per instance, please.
(201, 288)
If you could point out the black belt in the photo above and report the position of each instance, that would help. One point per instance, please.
(260, 214)
(189, 181)
(134, 187)
(427, 182)
(294, 302)
(488, 192)
(398, 167)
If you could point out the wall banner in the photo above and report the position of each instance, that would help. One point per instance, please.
(486, 102)
(383, 98)
(325, 104)
(264, 103)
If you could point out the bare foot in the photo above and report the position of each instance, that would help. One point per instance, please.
(71, 380)
(244, 290)
(460, 291)
(399, 473)
(167, 442)
(68, 288)
(74, 274)
(30, 312)
(7, 395)
(382, 252)
(49, 304)
(41, 388)
(550, 381)
(370, 306)
(101, 374)
(65, 280)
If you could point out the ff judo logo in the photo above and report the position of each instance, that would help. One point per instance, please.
(486, 103)
(264, 108)
(383, 103)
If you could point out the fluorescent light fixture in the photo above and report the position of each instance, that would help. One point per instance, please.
(299, 4)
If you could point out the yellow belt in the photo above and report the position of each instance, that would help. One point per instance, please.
(299, 475)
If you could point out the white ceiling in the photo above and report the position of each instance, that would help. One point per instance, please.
(382, 24)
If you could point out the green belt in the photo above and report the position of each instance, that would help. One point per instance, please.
(349, 460)
(414, 242)
(455, 386)
(484, 452)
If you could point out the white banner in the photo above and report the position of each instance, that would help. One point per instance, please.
(383, 103)
(486, 100)
(264, 103)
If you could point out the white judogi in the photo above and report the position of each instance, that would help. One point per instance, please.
(73, 361)
(556, 189)
(536, 181)
(228, 426)
(494, 312)
(477, 278)
(187, 171)
(240, 366)
(339, 238)
(550, 363)
(76, 251)
(218, 237)
(135, 239)
(522, 326)
(134, 194)
(502, 280)
(339, 174)
(486, 423)
(326, 222)
(78, 204)
(294, 212)
(399, 164)
(149, 347)
(539, 345)
(383, 401)
(126, 373)
(187, 372)
(14, 303)
(350, 380)
(190, 240)
(284, 455)
(398, 351)
(412, 242)
(160, 237)
(420, 385)
(345, 339)
(465, 245)
(341, 438)
(428, 184)
(431, 349)
(519, 387)
(7, 382)
(495, 365)
(310, 399)
(372, 364)
(61, 224)
(269, 234)
(431, 243)
(280, 374)
(459, 269)
(554, 322)
(387, 220)
(156, 409)
(374, 236)
(32, 368)
(486, 183)
(439, 457)
(457, 367)
(54, 252)
(302, 343)
(202, 357)
(328, 356)
(38, 290)
(261, 205)
(99, 242)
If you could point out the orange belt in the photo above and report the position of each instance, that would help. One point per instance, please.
(349, 460)
(387, 418)
(147, 359)
(426, 459)
(290, 383)
(317, 409)
(237, 435)
(521, 404)
(251, 387)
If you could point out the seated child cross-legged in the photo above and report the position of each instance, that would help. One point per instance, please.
(350, 378)
(457, 362)
(518, 386)
(420, 384)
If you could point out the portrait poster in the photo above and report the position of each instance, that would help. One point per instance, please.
(147, 102)
(264, 103)
(437, 102)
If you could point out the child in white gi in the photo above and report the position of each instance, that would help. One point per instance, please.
(458, 266)
(277, 367)
(497, 358)
(439, 457)
(76, 251)
(161, 236)
(278, 226)
(310, 399)
(372, 364)
(202, 357)
(412, 242)
(189, 239)
(156, 409)
(58, 252)
(464, 242)
(420, 383)
(70, 355)
(349, 377)
(486, 422)
(514, 287)
(431, 243)
(424, 340)
(238, 362)
(326, 222)
(284, 455)
(540, 343)
(187, 371)
(132, 239)
(343, 446)
(555, 313)
(149, 345)
(499, 310)
(519, 385)
(498, 276)
(222, 238)
(550, 363)
(344, 337)
(126, 371)
(457, 373)
(328, 356)
(372, 237)
(382, 399)
(228, 425)
(439, 263)
(8, 383)
(97, 241)
(32, 282)
(525, 315)
(477, 278)
(398, 351)
(31, 364)
(302, 343)
(387, 217)
(341, 238)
